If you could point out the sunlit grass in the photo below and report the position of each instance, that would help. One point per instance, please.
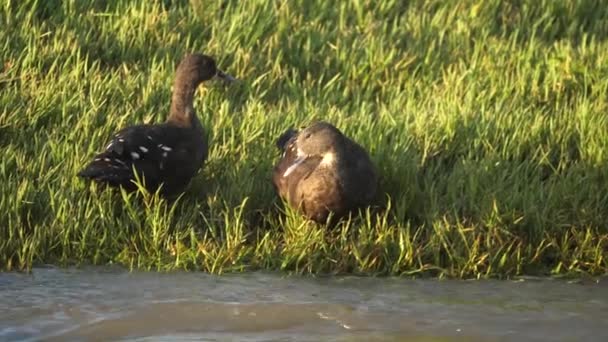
(487, 121)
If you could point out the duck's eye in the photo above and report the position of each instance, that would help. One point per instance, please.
(307, 136)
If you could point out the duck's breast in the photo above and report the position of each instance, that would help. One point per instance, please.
(320, 193)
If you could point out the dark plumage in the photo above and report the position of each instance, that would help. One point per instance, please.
(169, 153)
(323, 171)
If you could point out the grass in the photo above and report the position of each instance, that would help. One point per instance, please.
(486, 119)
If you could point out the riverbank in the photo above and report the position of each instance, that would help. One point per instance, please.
(487, 122)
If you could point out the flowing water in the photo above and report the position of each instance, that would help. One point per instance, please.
(112, 304)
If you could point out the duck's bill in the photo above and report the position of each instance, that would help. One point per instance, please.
(224, 76)
(294, 165)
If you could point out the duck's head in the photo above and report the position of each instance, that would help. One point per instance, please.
(319, 140)
(196, 68)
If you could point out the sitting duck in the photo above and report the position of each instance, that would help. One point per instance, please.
(163, 155)
(322, 171)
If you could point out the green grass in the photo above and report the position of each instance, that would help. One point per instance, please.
(486, 119)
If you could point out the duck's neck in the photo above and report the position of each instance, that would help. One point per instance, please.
(330, 159)
(182, 112)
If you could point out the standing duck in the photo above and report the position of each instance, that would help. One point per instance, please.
(163, 155)
(322, 172)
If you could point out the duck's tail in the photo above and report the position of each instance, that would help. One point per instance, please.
(107, 169)
(284, 139)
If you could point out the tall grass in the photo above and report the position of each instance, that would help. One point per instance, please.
(487, 121)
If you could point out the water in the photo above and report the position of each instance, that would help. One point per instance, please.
(111, 304)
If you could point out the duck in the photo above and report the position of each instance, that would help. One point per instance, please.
(323, 174)
(163, 156)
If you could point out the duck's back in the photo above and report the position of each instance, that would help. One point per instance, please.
(161, 154)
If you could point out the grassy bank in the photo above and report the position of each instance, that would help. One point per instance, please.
(487, 120)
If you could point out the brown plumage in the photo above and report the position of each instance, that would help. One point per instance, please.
(167, 154)
(322, 171)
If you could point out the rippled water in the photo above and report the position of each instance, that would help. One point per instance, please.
(112, 304)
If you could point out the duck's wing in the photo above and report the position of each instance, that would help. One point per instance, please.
(361, 185)
(286, 139)
(286, 144)
(337, 190)
(156, 152)
(286, 186)
(289, 187)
